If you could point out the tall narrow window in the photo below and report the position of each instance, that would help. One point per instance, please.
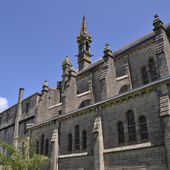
(152, 70)
(77, 137)
(25, 128)
(144, 75)
(5, 134)
(87, 47)
(37, 147)
(7, 116)
(59, 112)
(84, 139)
(143, 127)
(0, 120)
(46, 146)
(27, 107)
(70, 142)
(42, 144)
(131, 126)
(120, 129)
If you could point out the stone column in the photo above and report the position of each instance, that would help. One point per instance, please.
(162, 48)
(98, 145)
(18, 118)
(165, 114)
(55, 150)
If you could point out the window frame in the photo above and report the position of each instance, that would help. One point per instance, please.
(132, 136)
(77, 137)
(70, 142)
(143, 128)
(121, 134)
(84, 139)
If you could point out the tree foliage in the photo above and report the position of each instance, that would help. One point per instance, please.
(21, 159)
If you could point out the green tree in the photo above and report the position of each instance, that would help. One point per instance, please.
(21, 159)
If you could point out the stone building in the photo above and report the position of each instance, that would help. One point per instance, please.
(109, 115)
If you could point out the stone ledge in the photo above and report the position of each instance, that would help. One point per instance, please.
(56, 105)
(122, 77)
(83, 94)
(73, 155)
(129, 147)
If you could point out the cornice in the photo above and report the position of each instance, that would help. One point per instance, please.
(110, 101)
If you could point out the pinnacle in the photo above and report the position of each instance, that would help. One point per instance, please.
(67, 61)
(84, 28)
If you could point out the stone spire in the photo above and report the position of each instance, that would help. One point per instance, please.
(84, 40)
(84, 28)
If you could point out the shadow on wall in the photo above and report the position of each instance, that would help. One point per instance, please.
(124, 88)
(85, 103)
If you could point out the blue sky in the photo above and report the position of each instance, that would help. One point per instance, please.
(36, 35)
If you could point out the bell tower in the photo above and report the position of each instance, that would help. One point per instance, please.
(84, 40)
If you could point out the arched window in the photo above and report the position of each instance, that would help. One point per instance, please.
(144, 75)
(77, 137)
(84, 103)
(152, 69)
(120, 130)
(46, 146)
(84, 139)
(70, 142)
(124, 89)
(42, 144)
(131, 126)
(143, 127)
(37, 147)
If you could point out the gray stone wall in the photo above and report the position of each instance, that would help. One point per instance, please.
(76, 163)
(153, 158)
(8, 118)
(47, 99)
(68, 126)
(137, 60)
(46, 130)
(146, 104)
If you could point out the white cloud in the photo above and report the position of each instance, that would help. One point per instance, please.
(3, 104)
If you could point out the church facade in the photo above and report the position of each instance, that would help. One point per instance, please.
(113, 114)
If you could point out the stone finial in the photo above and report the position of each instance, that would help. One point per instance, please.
(66, 66)
(157, 23)
(67, 61)
(107, 50)
(45, 86)
(156, 16)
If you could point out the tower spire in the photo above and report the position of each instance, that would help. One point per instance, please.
(84, 40)
(84, 28)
